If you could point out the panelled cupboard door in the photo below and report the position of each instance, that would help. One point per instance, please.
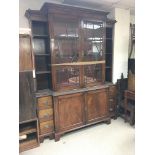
(25, 53)
(96, 105)
(70, 111)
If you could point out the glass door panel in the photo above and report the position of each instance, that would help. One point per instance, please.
(66, 40)
(93, 74)
(67, 77)
(94, 33)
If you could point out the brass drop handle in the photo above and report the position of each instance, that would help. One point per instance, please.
(111, 109)
(46, 115)
(46, 103)
(46, 126)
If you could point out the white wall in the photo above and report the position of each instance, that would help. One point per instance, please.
(30, 4)
(121, 42)
(132, 19)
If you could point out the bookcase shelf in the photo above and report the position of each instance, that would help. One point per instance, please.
(28, 131)
(42, 54)
(43, 72)
(28, 135)
(40, 36)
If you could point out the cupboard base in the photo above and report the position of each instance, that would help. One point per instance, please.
(42, 137)
(59, 134)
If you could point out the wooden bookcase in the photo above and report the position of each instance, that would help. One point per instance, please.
(28, 122)
(72, 50)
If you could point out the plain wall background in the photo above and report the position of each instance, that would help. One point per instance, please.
(121, 43)
(30, 4)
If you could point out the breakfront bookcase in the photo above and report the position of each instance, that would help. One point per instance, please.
(72, 55)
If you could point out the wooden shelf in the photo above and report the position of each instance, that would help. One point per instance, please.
(28, 131)
(43, 72)
(28, 135)
(42, 54)
(66, 37)
(29, 144)
(40, 36)
(80, 63)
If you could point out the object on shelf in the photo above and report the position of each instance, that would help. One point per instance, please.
(22, 137)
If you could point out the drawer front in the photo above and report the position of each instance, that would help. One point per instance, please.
(129, 95)
(112, 98)
(45, 102)
(112, 104)
(46, 127)
(112, 90)
(46, 114)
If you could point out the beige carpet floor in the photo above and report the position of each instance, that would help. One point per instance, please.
(118, 138)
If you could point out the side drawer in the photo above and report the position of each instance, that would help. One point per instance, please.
(112, 90)
(46, 127)
(45, 102)
(45, 115)
(112, 98)
(112, 104)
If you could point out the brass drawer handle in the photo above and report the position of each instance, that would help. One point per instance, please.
(46, 115)
(46, 103)
(111, 109)
(111, 100)
(47, 126)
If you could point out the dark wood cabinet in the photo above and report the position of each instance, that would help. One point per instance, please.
(72, 48)
(28, 122)
(71, 51)
(76, 110)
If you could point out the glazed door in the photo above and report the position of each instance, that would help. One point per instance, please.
(96, 105)
(69, 112)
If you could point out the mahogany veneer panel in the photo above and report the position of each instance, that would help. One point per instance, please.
(70, 111)
(27, 105)
(25, 53)
(97, 106)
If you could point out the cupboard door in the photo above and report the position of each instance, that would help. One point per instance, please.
(69, 112)
(25, 53)
(97, 105)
